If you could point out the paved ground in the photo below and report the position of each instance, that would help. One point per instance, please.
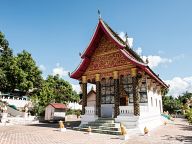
(178, 133)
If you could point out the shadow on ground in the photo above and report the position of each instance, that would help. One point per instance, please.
(181, 138)
(68, 124)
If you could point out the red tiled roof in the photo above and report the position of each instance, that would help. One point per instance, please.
(59, 105)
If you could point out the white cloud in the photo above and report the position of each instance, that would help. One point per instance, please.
(60, 71)
(90, 86)
(122, 36)
(154, 61)
(76, 87)
(179, 85)
(42, 68)
(139, 51)
(130, 40)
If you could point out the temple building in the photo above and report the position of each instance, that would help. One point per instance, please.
(127, 90)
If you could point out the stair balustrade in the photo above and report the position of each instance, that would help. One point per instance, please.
(125, 110)
(90, 111)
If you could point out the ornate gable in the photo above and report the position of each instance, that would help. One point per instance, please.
(106, 53)
(106, 59)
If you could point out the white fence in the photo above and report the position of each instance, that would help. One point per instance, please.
(90, 111)
(19, 103)
(125, 110)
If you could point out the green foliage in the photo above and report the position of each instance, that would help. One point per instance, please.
(17, 72)
(186, 96)
(188, 115)
(171, 104)
(54, 89)
(20, 72)
(28, 75)
(73, 112)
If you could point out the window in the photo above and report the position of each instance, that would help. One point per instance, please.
(127, 83)
(160, 105)
(151, 101)
(154, 90)
(143, 92)
(107, 91)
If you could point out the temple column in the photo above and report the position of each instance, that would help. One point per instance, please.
(136, 97)
(84, 92)
(116, 96)
(98, 95)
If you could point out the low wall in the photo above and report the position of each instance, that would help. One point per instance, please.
(18, 103)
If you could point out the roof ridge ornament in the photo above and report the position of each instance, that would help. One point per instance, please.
(126, 38)
(99, 13)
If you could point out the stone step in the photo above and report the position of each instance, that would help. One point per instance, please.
(103, 124)
(102, 131)
(102, 127)
(105, 121)
(106, 118)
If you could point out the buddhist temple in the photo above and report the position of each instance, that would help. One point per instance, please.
(127, 90)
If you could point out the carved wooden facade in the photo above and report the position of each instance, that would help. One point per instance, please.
(107, 59)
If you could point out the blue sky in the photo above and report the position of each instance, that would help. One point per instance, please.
(54, 32)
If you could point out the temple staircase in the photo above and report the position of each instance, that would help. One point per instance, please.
(102, 125)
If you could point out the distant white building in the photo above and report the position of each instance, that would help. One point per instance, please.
(74, 106)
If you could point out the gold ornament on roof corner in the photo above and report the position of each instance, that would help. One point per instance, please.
(165, 123)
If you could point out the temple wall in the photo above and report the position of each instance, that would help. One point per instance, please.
(154, 102)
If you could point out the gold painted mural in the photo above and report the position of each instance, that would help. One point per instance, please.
(106, 59)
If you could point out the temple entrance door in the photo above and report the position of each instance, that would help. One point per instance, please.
(123, 101)
(107, 110)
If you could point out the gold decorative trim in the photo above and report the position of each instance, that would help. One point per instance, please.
(124, 67)
(115, 75)
(97, 77)
(105, 53)
(84, 79)
(134, 72)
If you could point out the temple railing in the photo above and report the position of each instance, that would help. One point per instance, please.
(90, 110)
(129, 110)
(125, 110)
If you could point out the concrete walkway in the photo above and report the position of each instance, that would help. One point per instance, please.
(178, 133)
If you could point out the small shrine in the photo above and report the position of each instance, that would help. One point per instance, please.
(127, 90)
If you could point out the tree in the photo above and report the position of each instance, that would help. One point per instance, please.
(171, 104)
(7, 66)
(28, 75)
(17, 72)
(185, 97)
(54, 89)
(3, 42)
